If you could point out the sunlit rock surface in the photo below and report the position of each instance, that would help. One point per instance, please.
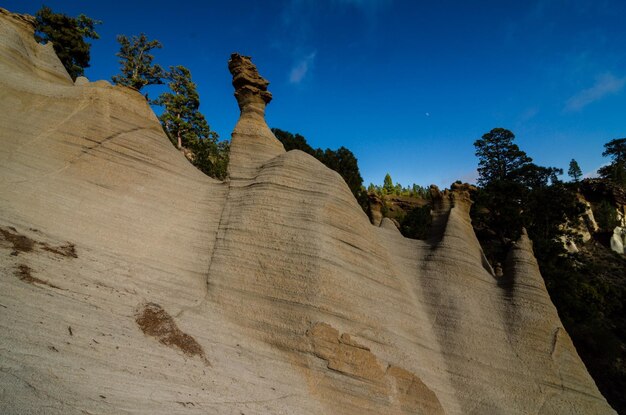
(132, 283)
(618, 239)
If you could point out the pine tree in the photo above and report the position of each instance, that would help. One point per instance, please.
(498, 157)
(388, 187)
(616, 170)
(574, 171)
(67, 35)
(137, 67)
(187, 128)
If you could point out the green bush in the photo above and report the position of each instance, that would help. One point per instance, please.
(606, 216)
(416, 223)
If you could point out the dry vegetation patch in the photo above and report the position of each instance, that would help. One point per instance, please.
(156, 322)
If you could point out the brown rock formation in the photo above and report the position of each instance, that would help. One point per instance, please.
(376, 206)
(402, 392)
(250, 88)
(395, 207)
(252, 141)
(275, 276)
(595, 190)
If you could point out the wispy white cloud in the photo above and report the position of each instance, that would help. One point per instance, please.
(297, 33)
(606, 84)
(301, 68)
(594, 173)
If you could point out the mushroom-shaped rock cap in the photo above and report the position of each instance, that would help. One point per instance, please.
(250, 87)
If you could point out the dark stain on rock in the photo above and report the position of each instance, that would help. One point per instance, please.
(156, 322)
(67, 250)
(24, 273)
(20, 243)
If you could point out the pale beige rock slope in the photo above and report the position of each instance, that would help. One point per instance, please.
(132, 283)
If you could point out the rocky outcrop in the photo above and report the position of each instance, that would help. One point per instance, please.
(600, 194)
(587, 224)
(618, 240)
(250, 87)
(24, 57)
(392, 207)
(596, 190)
(165, 291)
(376, 209)
(252, 142)
(580, 229)
(403, 391)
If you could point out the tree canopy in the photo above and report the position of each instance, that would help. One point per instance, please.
(533, 176)
(511, 184)
(293, 141)
(67, 35)
(187, 128)
(574, 171)
(586, 287)
(182, 120)
(498, 156)
(138, 69)
(616, 170)
(388, 184)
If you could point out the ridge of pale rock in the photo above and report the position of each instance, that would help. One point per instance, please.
(132, 283)
(532, 314)
(27, 55)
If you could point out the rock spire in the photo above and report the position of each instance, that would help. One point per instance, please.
(250, 87)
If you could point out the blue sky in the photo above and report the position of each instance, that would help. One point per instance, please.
(408, 86)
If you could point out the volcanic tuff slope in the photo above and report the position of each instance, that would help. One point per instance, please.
(132, 283)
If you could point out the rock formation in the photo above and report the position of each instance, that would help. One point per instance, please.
(618, 240)
(593, 193)
(394, 206)
(132, 283)
(250, 88)
(376, 205)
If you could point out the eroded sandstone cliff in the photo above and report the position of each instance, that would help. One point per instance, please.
(132, 283)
